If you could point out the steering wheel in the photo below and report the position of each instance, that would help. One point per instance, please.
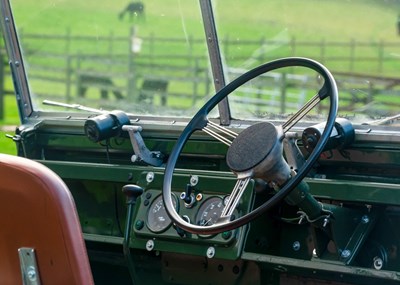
(246, 163)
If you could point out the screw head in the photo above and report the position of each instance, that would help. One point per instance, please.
(150, 177)
(194, 179)
(31, 273)
(210, 252)
(150, 245)
(296, 246)
(378, 263)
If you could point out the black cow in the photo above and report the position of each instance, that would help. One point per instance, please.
(103, 83)
(133, 9)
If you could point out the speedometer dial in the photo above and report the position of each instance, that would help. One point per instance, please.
(210, 211)
(157, 217)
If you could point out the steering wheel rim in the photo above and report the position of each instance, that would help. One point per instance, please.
(200, 120)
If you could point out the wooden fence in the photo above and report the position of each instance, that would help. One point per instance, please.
(177, 68)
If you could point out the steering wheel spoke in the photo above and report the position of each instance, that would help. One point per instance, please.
(235, 196)
(220, 133)
(301, 113)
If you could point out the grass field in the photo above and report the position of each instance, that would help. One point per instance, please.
(283, 20)
(11, 119)
(306, 19)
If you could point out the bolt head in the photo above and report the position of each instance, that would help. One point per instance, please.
(365, 219)
(346, 253)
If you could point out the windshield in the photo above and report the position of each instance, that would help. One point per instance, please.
(357, 40)
(151, 57)
(141, 57)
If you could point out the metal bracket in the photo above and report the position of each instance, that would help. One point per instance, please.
(357, 239)
(29, 269)
(293, 155)
(142, 153)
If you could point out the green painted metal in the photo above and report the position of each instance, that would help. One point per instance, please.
(321, 270)
(268, 246)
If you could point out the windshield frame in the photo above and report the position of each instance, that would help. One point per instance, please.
(214, 52)
(16, 62)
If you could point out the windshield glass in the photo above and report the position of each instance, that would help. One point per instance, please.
(145, 57)
(151, 57)
(357, 40)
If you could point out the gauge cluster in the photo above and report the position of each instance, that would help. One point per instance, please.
(154, 230)
(154, 221)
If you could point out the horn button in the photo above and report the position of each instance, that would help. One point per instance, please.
(259, 149)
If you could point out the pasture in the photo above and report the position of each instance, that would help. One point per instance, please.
(305, 19)
(322, 25)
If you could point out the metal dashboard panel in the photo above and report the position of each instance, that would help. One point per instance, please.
(227, 245)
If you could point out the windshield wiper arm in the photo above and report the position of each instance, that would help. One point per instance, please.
(74, 106)
(383, 121)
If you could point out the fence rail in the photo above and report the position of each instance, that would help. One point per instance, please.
(183, 63)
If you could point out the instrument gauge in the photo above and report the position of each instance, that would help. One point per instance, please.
(157, 217)
(210, 211)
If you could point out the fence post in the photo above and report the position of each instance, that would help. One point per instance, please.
(152, 51)
(190, 50)
(225, 44)
(352, 54)
(78, 77)
(68, 79)
(195, 81)
(381, 55)
(68, 66)
(370, 92)
(131, 68)
(293, 45)
(261, 56)
(2, 93)
(322, 51)
(110, 50)
(283, 93)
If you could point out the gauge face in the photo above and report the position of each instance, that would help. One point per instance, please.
(157, 217)
(210, 211)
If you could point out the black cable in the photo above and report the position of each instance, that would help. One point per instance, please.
(107, 146)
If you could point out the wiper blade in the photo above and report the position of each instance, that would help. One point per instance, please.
(74, 106)
(383, 121)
